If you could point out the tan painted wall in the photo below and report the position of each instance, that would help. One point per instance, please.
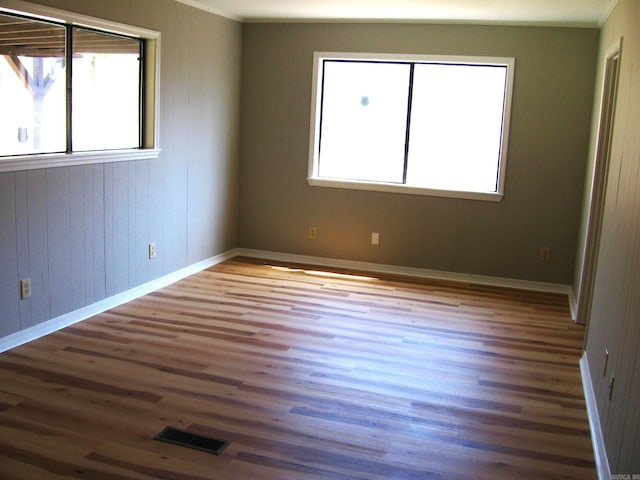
(615, 318)
(552, 103)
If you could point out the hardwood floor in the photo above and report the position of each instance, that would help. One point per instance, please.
(310, 375)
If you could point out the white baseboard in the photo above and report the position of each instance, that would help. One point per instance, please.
(573, 304)
(599, 451)
(58, 323)
(422, 273)
(76, 316)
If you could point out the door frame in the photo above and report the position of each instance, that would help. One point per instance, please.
(599, 181)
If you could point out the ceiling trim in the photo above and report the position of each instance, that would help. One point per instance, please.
(609, 11)
(516, 23)
(210, 9)
(414, 21)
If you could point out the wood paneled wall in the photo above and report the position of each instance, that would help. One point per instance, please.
(615, 319)
(82, 233)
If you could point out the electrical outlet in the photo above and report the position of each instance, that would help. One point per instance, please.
(152, 251)
(375, 238)
(313, 233)
(545, 254)
(25, 288)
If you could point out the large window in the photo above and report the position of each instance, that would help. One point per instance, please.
(412, 124)
(74, 89)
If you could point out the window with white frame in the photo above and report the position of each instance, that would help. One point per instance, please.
(413, 124)
(75, 89)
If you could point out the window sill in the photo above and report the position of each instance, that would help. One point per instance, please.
(51, 160)
(405, 189)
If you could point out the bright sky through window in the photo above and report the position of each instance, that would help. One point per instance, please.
(413, 124)
(105, 88)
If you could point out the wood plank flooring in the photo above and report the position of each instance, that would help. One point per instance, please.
(311, 375)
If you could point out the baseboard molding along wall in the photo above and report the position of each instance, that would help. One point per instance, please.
(58, 323)
(422, 273)
(76, 316)
(573, 304)
(597, 437)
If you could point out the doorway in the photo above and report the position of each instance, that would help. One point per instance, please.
(599, 183)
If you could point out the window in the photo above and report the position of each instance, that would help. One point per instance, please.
(412, 124)
(105, 91)
(32, 86)
(76, 89)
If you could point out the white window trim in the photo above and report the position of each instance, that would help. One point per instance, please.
(315, 180)
(151, 129)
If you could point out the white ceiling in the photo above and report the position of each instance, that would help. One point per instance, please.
(538, 12)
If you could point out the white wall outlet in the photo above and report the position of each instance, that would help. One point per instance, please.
(25, 288)
(375, 238)
(152, 251)
(313, 233)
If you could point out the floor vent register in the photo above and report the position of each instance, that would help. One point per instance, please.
(192, 440)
